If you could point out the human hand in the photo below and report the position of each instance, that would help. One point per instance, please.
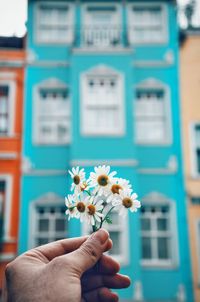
(69, 270)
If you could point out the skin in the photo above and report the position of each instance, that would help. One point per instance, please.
(69, 270)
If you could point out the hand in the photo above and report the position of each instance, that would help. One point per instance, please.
(69, 270)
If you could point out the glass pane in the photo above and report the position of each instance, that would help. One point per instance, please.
(43, 225)
(60, 225)
(146, 248)
(40, 241)
(162, 224)
(198, 160)
(115, 236)
(163, 248)
(145, 224)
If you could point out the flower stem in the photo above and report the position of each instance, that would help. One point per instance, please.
(102, 220)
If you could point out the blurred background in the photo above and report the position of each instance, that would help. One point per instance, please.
(85, 83)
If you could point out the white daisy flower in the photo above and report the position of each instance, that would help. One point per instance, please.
(94, 211)
(71, 206)
(81, 206)
(101, 179)
(118, 185)
(78, 176)
(125, 201)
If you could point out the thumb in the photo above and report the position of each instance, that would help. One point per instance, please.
(90, 251)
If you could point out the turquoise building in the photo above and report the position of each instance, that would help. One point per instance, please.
(102, 87)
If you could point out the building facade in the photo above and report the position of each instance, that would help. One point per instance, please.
(190, 91)
(11, 108)
(102, 87)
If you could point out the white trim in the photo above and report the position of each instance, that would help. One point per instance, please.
(48, 199)
(197, 226)
(47, 172)
(50, 83)
(7, 204)
(94, 51)
(7, 76)
(101, 71)
(112, 162)
(157, 198)
(8, 155)
(57, 41)
(165, 35)
(171, 168)
(11, 103)
(7, 257)
(153, 83)
(194, 172)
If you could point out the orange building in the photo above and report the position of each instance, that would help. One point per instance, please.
(11, 111)
(190, 90)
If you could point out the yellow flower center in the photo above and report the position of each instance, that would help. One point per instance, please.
(83, 186)
(103, 180)
(115, 188)
(127, 202)
(81, 207)
(76, 180)
(91, 209)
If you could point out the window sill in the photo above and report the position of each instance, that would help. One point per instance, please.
(154, 144)
(95, 50)
(158, 266)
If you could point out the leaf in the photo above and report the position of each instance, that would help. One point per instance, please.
(108, 220)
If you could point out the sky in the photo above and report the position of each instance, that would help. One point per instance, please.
(13, 15)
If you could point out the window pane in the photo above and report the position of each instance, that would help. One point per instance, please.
(146, 248)
(40, 241)
(60, 225)
(163, 248)
(198, 160)
(162, 224)
(43, 225)
(145, 224)
(115, 236)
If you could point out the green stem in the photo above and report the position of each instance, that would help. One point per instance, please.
(102, 220)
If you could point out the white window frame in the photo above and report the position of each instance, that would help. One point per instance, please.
(85, 14)
(154, 84)
(7, 205)
(123, 257)
(158, 199)
(48, 200)
(198, 247)
(193, 146)
(165, 34)
(101, 70)
(11, 104)
(57, 41)
(52, 83)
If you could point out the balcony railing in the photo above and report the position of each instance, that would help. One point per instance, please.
(101, 36)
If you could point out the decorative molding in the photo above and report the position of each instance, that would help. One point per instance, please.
(171, 168)
(12, 63)
(48, 199)
(181, 293)
(48, 63)
(7, 75)
(8, 155)
(150, 83)
(138, 291)
(155, 197)
(102, 70)
(45, 172)
(167, 61)
(96, 50)
(113, 162)
(52, 83)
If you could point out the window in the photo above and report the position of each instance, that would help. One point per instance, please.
(101, 25)
(156, 235)
(152, 116)
(52, 115)
(5, 206)
(54, 22)
(147, 23)
(6, 108)
(102, 102)
(118, 234)
(2, 205)
(196, 149)
(50, 224)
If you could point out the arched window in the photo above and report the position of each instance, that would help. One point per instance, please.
(52, 113)
(158, 231)
(152, 113)
(102, 91)
(48, 221)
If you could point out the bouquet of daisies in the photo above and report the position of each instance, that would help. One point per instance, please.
(94, 198)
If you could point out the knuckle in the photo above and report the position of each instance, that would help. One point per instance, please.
(90, 249)
(9, 270)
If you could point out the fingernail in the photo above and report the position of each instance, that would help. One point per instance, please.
(101, 235)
